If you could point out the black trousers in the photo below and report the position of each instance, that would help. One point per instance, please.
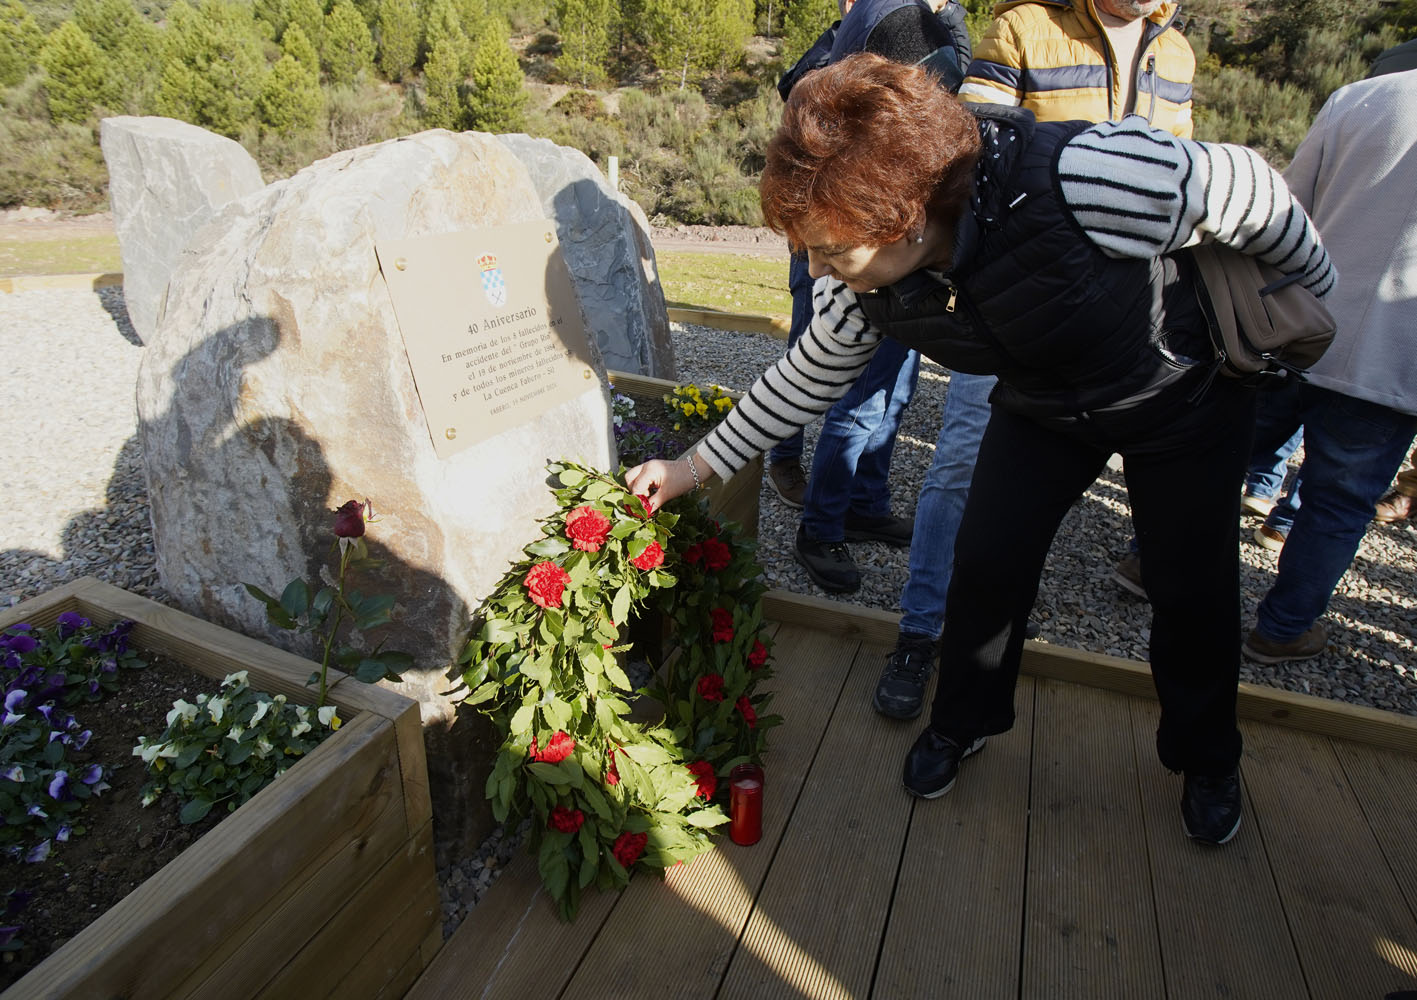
(1184, 463)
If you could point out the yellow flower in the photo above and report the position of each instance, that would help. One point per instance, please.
(701, 409)
(722, 403)
(688, 409)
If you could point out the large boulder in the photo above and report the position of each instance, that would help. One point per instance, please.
(166, 179)
(605, 239)
(278, 387)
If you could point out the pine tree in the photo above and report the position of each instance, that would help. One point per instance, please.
(214, 65)
(442, 83)
(349, 48)
(310, 16)
(76, 74)
(398, 31)
(803, 22)
(724, 34)
(20, 42)
(474, 16)
(130, 42)
(686, 37)
(444, 25)
(291, 98)
(497, 100)
(587, 27)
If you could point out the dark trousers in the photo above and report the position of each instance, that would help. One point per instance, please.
(1184, 465)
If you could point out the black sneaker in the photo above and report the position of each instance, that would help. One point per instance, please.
(828, 564)
(901, 688)
(889, 529)
(933, 763)
(1210, 807)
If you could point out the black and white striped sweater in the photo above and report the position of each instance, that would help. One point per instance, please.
(1135, 192)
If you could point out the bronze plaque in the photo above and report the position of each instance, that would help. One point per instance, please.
(491, 325)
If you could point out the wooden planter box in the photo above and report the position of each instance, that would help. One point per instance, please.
(321, 884)
(734, 499)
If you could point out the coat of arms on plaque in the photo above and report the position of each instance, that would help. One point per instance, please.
(494, 286)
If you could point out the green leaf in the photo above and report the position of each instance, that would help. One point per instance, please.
(295, 599)
(571, 477)
(616, 676)
(555, 869)
(195, 810)
(369, 671)
(521, 720)
(596, 801)
(320, 606)
(497, 631)
(552, 774)
(597, 489)
(375, 612)
(188, 756)
(260, 595)
(538, 669)
(483, 693)
(549, 547)
(620, 609)
(556, 713)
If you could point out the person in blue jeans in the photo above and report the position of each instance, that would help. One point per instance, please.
(1359, 406)
(847, 496)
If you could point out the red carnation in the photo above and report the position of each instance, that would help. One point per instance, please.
(758, 656)
(651, 558)
(565, 820)
(702, 771)
(711, 687)
(693, 553)
(612, 776)
(722, 625)
(558, 748)
(587, 528)
(644, 511)
(628, 847)
(746, 708)
(717, 556)
(544, 584)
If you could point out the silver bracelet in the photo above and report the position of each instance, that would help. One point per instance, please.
(693, 471)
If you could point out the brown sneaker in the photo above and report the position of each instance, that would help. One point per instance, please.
(1260, 506)
(1270, 538)
(1127, 575)
(1304, 646)
(788, 481)
(1393, 507)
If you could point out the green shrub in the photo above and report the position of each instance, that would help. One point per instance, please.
(77, 77)
(54, 166)
(364, 112)
(1232, 105)
(582, 104)
(348, 48)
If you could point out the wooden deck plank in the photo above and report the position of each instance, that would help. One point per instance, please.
(1345, 911)
(1219, 915)
(1385, 784)
(698, 912)
(823, 907)
(955, 925)
(1089, 921)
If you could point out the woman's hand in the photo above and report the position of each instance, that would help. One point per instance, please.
(662, 480)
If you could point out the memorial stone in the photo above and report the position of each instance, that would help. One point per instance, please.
(279, 385)
(605, 238)
(166, 179)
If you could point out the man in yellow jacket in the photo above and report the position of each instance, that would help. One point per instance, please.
(1093, 60)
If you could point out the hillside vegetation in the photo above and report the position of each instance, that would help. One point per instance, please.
(681, 91)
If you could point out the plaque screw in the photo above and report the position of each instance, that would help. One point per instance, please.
(401, 264)
(548, 237)
(586, 373)
(450, 433)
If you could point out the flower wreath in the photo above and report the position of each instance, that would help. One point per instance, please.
(610, 793)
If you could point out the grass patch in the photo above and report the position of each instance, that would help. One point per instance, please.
(59, 255)
(728, 282)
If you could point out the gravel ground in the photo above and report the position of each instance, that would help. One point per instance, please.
(75, 504)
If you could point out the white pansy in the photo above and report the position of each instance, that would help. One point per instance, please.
(300, 728)
(238, 679)
(326, 713)
(217, 708)
(181, 710)
(235, 733)
(262, 707)
(263, 747)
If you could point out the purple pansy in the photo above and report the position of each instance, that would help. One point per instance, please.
(14, 701)
(59, 787)
(62, 834)
(70, 622)
(38, 852)
(93, 775)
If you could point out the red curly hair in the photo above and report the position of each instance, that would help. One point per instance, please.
(866, 145)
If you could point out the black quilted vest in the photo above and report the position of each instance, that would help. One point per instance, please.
(1029, 298)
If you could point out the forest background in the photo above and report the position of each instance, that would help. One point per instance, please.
(681, 91)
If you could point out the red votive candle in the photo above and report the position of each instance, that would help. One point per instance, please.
(745, 804)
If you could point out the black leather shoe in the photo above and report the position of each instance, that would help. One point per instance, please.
(889, 529)
(901, 688)
(1210, 807)
(828, 564)
(933, 763)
